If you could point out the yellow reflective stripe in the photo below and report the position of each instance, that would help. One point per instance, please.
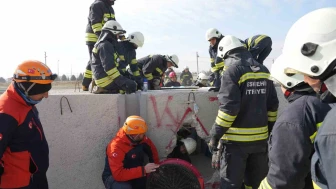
(251, 75)
(213, 69)
(94, 50)
(316, 186)
(226, 116)
(220, 65)
(121, 91)
(249, 43)
(256, 41)
(312, 137)
(249, 131)
(124, 69)
(272, 119)
(222, 122)
(159, 70)
(97, 27)
(248, 187)
(88, 74)
(245, 138)
(136, 73)
(134, 61)
(270, 113)
(212, 60)
(150, 56)
(91, 37)
(149, 76)
(112, 71)
(264, 184)
(108, 15)
(122, 57)
(103, 82)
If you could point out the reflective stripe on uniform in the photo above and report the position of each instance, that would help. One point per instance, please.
(316, 186)
(134, 61)
(136, 73)
(95, 50)
(122, 57)
(223, 119)
(103, 82)
(312, 137)
(212, 60)
(91, 37)
(245, 138)
(272, 116)
(112, 71)
(251, 75)
(88, 74)
(97, 27)
(264, 184)
(247, 131)
(159, 70)
(149, 76)
(248, 187)
(255, 41)
(213, 69)
(220, 65)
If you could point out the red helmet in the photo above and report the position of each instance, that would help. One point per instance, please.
(172, 74)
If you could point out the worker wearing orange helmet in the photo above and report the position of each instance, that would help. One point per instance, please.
(173, 80)
(24, 152)
(125, 156)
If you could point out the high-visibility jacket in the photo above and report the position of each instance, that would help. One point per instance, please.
(217, 63)
(152, 66)
(186, 78)
(104, 62)
(248, 101)
(100, 13)
(128, 57)
(291, 142)
(253, 41)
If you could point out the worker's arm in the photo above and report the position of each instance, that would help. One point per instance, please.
(115, 159)
(229, 99)
(96, 17)
(272, 105)
(152, 65)
(132, 61)
(108, 59)
(151, 151)
(219, 63)
(289, 157)
(7, 128)
(212, 61)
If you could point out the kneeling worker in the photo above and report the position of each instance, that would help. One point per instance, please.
(124, 166)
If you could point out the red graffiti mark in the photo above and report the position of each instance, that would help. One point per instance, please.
(202, 126)
(213, 99)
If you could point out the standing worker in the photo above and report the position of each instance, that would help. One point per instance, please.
(24, 151)
(105, 63)
(309, 49)
(128, 48)
(186, 77)
(260, 46)
(217, 64)
(101, 11)
(247, 112)
(125, 155)
(153, 68)
(299, 123)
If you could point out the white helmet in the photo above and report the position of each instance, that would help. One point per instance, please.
(202, 76)
(190, 145)
(186, 67)
(228, 43)
(114, 27)
(310, 43)
(287, 80)
(136, 38)
(173, 59)
(211, 33)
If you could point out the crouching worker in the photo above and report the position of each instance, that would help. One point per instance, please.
(125, 154)
(173, 81)
(104, 62)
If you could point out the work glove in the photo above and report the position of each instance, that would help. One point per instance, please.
(213, 145)
(139, 82)
(215, 161)
(155, 84)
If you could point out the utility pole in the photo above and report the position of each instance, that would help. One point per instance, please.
(45, 58)
(58, 67)
(71, 71)
(197, 62)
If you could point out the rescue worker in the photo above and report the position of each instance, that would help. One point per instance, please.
(186, 77)
(104, 62)
(100, 12)
(309, 49)
(293, 133)
(24, 151)
(124, 164)
(260, 46)
(202, 80)
(128, 49)
(173, 81)
(247, 112)
(217, 64)
(153, 67)
(166, 75)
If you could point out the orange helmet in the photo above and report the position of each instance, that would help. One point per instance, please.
(34, 71)
(135, 125)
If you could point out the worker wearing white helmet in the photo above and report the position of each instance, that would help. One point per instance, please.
(186, 77)
(128, 48)
(217, 64)
(294, 132)
(309, 49)
(247, 111)
(202, 80)
(153, 68)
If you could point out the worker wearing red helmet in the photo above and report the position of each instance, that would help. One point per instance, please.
(24, 152)
(173, 81)
(124, 165)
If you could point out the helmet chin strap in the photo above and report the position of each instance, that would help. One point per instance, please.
(24, 89)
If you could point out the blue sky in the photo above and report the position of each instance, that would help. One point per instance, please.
(29, 28)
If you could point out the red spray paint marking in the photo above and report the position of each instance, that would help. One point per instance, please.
(213, 99)
(166, 110)
(202, 126)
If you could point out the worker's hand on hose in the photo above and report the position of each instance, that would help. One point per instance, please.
(213, 145)
(215, 162)
(139, 82)
(151, 167)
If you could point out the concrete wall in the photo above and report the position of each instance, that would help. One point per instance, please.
(78, 139)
